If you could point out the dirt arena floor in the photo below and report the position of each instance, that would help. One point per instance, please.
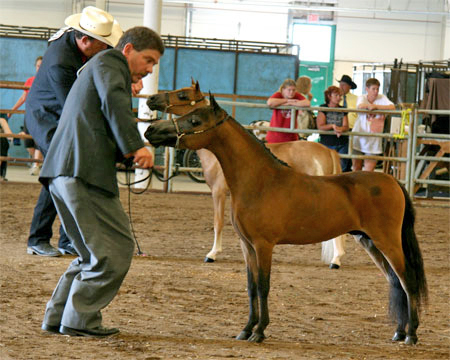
(174, 306)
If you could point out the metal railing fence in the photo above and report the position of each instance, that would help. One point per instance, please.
(410, 160)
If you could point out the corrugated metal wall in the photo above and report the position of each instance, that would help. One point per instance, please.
(223, 72)
(18, 57)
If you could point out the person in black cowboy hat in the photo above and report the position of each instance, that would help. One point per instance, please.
(348, 99)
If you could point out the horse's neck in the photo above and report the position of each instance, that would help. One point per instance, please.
(243, 159)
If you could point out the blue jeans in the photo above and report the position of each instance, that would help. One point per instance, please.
(41, 224)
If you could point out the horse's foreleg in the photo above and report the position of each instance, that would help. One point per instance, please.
(252, 290)
(264, 257)
(253, 318)
(219, 197)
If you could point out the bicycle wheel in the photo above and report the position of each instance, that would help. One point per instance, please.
(191, 159)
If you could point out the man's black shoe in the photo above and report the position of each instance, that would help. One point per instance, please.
(95, 332)
(68, 250)
(43, 249)
(50, 328)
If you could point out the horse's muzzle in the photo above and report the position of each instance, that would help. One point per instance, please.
(159, 134)
(156, 102)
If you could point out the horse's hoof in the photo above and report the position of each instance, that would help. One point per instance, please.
(244, 335)
(257, 338)
(209, 260)
(334, 266)
(411, 340)
(399, 336)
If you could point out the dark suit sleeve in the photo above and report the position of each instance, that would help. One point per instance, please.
(61, 78)
(112, 80)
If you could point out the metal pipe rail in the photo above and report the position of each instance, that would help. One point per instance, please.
(410, 159)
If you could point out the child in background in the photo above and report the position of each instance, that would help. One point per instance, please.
(366, 122)
(285, 96)
(29, 143)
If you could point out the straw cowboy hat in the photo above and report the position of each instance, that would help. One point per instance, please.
(96, 23)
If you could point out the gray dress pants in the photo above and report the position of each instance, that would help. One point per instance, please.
(99, 229)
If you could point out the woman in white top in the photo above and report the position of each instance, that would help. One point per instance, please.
(365, 145)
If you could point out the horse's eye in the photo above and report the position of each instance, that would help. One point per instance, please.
(195, 121)
(182, 96)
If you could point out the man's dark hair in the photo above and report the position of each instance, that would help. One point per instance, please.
(79, 35)
(141, 38)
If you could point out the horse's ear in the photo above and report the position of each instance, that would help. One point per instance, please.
(213, 102)
(197, 86)
(192, 81)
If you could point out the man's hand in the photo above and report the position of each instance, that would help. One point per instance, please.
(142, 157)
(136, 87)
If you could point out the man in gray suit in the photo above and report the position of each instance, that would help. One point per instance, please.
(97, 129)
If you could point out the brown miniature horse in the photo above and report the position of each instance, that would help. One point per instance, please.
(271, 203)
(307, 157)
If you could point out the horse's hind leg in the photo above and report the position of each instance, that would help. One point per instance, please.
(404, 299)
(219, 198)
(397, 297)
(338, 251)
(402, 306)
(252, 290)
(375, 254)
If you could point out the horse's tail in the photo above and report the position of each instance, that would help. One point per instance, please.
(414, 271)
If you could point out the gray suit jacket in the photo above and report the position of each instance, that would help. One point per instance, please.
(97, 125)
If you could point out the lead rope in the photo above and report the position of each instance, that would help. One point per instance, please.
(128, 184)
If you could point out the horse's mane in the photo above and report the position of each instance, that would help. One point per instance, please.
(260, 143)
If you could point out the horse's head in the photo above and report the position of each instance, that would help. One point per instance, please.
(191, 131)
(178, 102)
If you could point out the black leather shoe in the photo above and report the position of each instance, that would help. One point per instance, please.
(50, 328)
(43, 249)
(95, 332)
(68, 250)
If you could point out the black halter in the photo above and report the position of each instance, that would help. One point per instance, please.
(180, 133)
